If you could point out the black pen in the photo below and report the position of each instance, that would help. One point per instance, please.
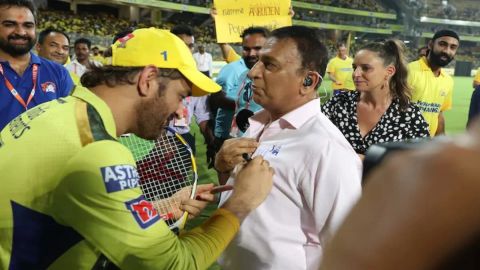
(246, 157)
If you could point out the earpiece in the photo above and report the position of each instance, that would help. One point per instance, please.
(307, 81)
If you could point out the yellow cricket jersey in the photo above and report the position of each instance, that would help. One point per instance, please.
(98, 58)
(342, 71)
(70, 193)
(477, 76)
(75, 78)
(431, 94)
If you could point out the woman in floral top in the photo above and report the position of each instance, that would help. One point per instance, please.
(380, 109)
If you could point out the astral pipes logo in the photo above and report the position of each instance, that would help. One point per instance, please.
(119, 177)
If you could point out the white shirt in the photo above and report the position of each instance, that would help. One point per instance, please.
(193, 106)
(316, 182)
(204, 62)
(78, 69)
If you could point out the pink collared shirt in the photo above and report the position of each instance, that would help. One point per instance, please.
(316, 182)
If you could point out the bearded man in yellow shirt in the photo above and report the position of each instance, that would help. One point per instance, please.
(432, 88)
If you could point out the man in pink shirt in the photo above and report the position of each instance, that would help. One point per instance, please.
(312, 190)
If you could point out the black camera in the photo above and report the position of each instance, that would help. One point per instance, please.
(376, 153)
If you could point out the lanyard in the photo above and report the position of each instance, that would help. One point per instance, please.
(15, 93)
(234, 128)
(246, 95)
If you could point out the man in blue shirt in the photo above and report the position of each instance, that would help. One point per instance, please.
(233, 79)
(26, 80)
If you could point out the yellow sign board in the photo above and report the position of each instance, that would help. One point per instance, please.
(233, 16)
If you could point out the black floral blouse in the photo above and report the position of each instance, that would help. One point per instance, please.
(394, 125)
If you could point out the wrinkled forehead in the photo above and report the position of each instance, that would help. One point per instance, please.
(283, 51)
(285, 46)
(57, 37)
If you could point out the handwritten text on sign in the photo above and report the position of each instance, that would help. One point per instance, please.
(233, 16)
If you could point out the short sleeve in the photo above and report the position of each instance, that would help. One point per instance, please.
(200, 109)
(228, 78)
(330, 66)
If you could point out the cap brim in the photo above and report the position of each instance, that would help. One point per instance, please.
(202, 85)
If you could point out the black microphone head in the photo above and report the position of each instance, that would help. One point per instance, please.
(242, 119)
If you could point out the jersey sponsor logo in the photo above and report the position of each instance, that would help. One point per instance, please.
(18, 126)
(429, 107)
(143, 212)
(49, 87)
(119, 177)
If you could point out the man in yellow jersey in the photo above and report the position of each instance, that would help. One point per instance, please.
(70, 191)
(97, 56)
(431, 87)
(340, 71)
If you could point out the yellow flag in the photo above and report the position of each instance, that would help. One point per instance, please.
(233, 16)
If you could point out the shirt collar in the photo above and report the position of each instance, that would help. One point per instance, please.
(101, 107)
(425, 67)
(294, 119)
(34, 59)
(75, 61)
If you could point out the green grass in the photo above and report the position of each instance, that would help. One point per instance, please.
(456, 120)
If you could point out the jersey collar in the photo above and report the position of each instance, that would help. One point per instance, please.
(100, 105)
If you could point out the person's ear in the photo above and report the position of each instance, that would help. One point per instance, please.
(145, 79)
(310, 82)
(391, 71)
(430, 45)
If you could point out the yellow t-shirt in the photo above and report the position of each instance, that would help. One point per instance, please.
(99, 58)
(431, 94)
(75, 78)
(342, 71)
(477, 76)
